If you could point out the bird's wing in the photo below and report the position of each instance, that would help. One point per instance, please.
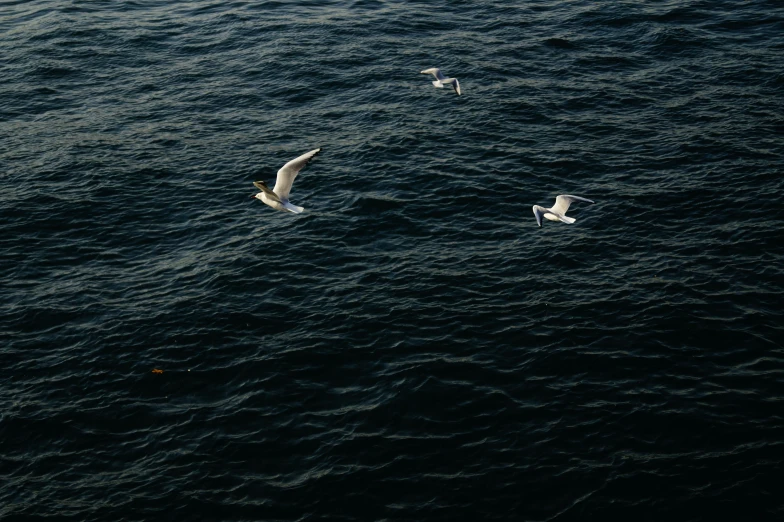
(454, 83)
(264, 188)
(538, 212)
(289, 171)
(435, 71)
(562, 203)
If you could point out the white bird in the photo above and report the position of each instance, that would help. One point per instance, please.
(558, 211)
(278, 197)
(441, 79)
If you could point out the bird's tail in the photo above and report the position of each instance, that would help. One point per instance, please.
(567, 219)
(438, 84)
(292, 208)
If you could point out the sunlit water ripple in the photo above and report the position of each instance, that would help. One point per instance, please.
(413, 346)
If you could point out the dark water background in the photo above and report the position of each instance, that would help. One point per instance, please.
(413, 346)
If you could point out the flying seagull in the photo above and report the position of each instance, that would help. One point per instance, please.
(558, 211)
(441, 79)
(278, 197)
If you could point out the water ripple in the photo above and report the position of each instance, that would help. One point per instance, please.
(413, 346)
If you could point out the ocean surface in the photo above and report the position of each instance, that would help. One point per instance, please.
(413, 346)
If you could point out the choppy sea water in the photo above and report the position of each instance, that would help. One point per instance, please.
(412, 346)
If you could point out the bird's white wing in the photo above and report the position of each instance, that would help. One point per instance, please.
(435, 71)
(538, 212)
(289, 171)
(454, 83)
(562, 203)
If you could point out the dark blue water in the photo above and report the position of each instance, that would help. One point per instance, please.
(412, 346)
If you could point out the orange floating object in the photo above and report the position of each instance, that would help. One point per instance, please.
(156, 370)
